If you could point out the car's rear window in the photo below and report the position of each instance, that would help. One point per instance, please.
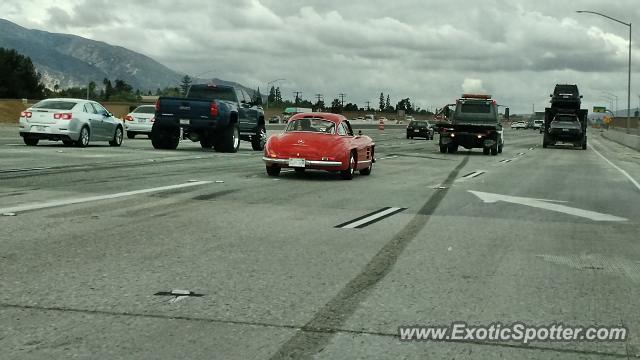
(419, 123)
(212, 93)
(55, 105)
(145, 110)
(566, 118)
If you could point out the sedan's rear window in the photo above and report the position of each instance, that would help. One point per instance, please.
(54, 105)
(145, 110)
(476, 108)
(566, 118)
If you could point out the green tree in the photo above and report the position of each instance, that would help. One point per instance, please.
(387, 105)
(382, 107)
(186, 83)
(18, 77)
(108, 89)
(405, 104)
(272, 95)
(257, 97)
(319, 105)
(278, 99)
(92, 90)
(336, 106)
(351, 107)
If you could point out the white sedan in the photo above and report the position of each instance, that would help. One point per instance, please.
(74, 121)
(518, 125)
(140, 121)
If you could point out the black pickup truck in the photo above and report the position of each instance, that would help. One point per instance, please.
(217, 116)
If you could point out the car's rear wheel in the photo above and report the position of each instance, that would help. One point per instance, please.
(83, 139)
(367, 170)
(117, 137)
(229, 140)
(131, 135)
(30, 141)
(273, 170)
(348, 173)
(494, 150)
(260, 139)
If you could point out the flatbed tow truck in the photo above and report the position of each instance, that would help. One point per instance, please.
(472, 122)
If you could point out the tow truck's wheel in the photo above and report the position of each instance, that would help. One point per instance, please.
(348, 174)
(453, 149)
(443, 149)
(259, 140)
(229, 140)
(584, 144)
(500, 149)
(206, 142)
(486, 150)
(273, 170)
(165, 138)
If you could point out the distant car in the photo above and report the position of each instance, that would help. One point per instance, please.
(72, 121)
(275, 120)
(319, 141)
(369, 118)
(420, 128)
(140, 121)
(538, 124)
(518, 125)
(360, 118)
(383, 119)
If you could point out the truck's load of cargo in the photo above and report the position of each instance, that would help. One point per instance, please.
(564, 121)
(566, 97)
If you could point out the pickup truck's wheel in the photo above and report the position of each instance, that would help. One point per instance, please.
(206, 142)
(117, 137)
(584, 144)
(500, 148)
(348, 174)
(165, 138)
(494, 150)
(259, 140)
(273, 170)
(486, 150)
(228, 140)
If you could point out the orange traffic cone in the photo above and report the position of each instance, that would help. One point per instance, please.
(381, 125)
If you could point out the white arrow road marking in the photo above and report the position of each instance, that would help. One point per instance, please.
(54, 203)
(547, 205)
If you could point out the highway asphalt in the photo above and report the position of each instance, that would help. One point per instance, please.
(93, 242)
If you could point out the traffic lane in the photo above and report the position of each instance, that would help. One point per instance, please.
(115, 255)
(483, 263)
(625, 158)
(58, 333)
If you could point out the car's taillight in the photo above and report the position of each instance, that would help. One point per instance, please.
(62, 116)
(153, 119)
(128, 118)
(157, 105)
(213, 109)
(26, 114)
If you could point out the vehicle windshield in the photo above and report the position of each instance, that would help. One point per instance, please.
(566, 118)
(419, 123)
(311, 125)
(145, 110)
(55, 105)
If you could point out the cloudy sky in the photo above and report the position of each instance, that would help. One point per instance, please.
(430, 51)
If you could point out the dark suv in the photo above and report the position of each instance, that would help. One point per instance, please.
(420, 128)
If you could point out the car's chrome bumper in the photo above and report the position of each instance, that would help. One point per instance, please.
(146, 128)
(306, 162)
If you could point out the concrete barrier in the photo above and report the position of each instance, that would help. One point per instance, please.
(622, 138)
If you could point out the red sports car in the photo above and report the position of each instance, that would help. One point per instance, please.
(320, 141)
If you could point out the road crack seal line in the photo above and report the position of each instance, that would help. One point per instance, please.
(306, 342)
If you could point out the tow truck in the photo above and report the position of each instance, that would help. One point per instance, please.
(472, 122)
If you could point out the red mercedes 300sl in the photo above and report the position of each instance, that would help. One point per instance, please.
(320, 141)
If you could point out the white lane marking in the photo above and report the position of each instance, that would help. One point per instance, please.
(546, 205)
(64, 202)
(633, 181)
(506, 161)
(520, 154)
(371, 218)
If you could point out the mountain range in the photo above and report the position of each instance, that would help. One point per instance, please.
(70, 60)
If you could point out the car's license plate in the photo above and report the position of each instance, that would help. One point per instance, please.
(416, 130)
(39, 128)
(565, 129)
(297, 163)
(184, 122)
(142, 120)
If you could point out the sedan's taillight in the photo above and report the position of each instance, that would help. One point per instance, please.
(152, 120)
(213, 109)
(128, 118)
(63, 116)
(157, 105)
(26, 114)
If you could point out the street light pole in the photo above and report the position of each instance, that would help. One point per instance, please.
(615, 97)
(629, 77)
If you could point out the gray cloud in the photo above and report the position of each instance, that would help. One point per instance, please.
(414, 48)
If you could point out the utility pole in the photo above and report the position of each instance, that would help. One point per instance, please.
(369, 104)
(342, 99)
(319, 97)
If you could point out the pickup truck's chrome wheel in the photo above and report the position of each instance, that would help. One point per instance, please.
(83, 141)
(259, 140)
(236, 137)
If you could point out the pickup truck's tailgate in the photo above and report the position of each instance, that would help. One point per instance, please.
(184, 109)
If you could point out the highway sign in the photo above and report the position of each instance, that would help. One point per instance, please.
(599, 109)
